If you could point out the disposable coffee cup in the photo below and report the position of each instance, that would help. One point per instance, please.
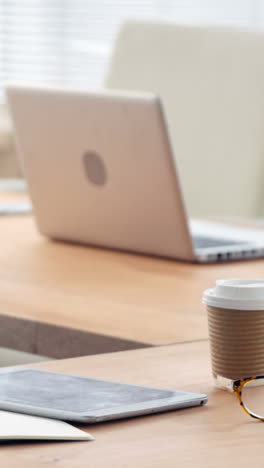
(236, 329)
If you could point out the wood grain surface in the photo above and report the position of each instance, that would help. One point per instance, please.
(129, 298)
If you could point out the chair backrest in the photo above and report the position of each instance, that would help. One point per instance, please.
(211, 80)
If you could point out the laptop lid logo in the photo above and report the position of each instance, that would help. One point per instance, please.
(94, 168)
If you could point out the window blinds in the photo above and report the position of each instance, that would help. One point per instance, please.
(68, 42)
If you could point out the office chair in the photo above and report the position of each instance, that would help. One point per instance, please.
(211, 80)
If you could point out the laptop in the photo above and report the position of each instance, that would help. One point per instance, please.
(101, 171)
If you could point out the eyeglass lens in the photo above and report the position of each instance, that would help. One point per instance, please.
(253, 397)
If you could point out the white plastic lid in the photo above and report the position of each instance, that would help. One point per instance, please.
(241, 294)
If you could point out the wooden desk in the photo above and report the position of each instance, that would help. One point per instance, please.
(63, 300)
(215, 436)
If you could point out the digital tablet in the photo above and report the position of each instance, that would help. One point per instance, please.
(81, 399)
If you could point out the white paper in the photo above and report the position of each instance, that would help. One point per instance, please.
(22, 426)
(15, 208)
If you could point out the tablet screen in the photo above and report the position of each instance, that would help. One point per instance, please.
(69, 393)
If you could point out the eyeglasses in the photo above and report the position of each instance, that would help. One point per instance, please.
(250, 394)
